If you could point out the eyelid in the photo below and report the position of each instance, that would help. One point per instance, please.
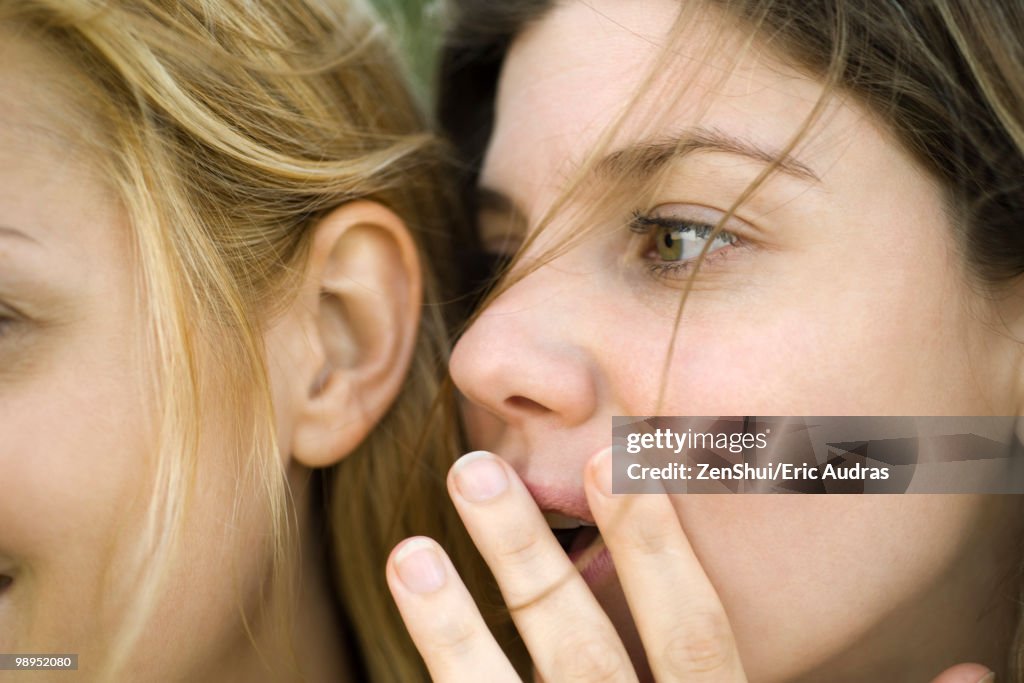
(700, 213)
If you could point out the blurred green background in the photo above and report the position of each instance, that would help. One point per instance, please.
(418, 25)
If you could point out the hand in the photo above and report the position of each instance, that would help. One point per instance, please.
(679, 617)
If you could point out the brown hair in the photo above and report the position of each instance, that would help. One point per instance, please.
(946, 76)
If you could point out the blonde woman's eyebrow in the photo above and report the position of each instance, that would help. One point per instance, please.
(646, 157)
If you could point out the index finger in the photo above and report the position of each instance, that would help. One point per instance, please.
(567, 633)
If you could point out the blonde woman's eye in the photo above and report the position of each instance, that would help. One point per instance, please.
(675, 242)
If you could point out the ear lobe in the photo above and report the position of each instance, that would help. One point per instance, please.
(366, 283)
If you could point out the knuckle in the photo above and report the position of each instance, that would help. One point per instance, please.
(650, 537)
(524, 573)
(451, 634)
(536, 592)
(702, 646)
(589, 658)
(518, 547)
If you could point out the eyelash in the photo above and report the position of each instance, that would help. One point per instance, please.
(646, 224)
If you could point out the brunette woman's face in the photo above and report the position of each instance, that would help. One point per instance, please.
(838, 291)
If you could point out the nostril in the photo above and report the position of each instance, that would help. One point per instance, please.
(5, 581)
(526, 405)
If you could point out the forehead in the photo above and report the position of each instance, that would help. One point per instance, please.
(50, 181)
(41, 94)
(47, 110)
(569, 77)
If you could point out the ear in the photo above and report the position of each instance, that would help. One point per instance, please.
(364, 293)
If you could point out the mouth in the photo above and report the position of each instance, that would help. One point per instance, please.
(581, 541)
(573, 534)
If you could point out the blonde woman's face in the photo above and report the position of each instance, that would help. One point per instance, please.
(77, 442)
(838, 291)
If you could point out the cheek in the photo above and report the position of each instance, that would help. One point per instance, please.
(77, 445)
(75, 488)
(73, 457)
(841, 568)
(219, 569)
(808, 346)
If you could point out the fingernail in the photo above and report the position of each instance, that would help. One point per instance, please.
(479, 476)
(602, 466)
(419, 566)
(990, 677)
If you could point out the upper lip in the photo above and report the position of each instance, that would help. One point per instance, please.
(550, 465)
(563, 501)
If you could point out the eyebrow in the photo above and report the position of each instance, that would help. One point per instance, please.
(643, 159)
(6, 230)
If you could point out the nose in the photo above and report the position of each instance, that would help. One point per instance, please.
(523, 359)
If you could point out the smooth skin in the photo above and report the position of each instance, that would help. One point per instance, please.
(77, 436)
(844, 294)
(681, 620)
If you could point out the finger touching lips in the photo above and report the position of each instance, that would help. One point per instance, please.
(567, 633)
(678, 613)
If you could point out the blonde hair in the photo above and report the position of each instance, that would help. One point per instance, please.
(227, 128)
